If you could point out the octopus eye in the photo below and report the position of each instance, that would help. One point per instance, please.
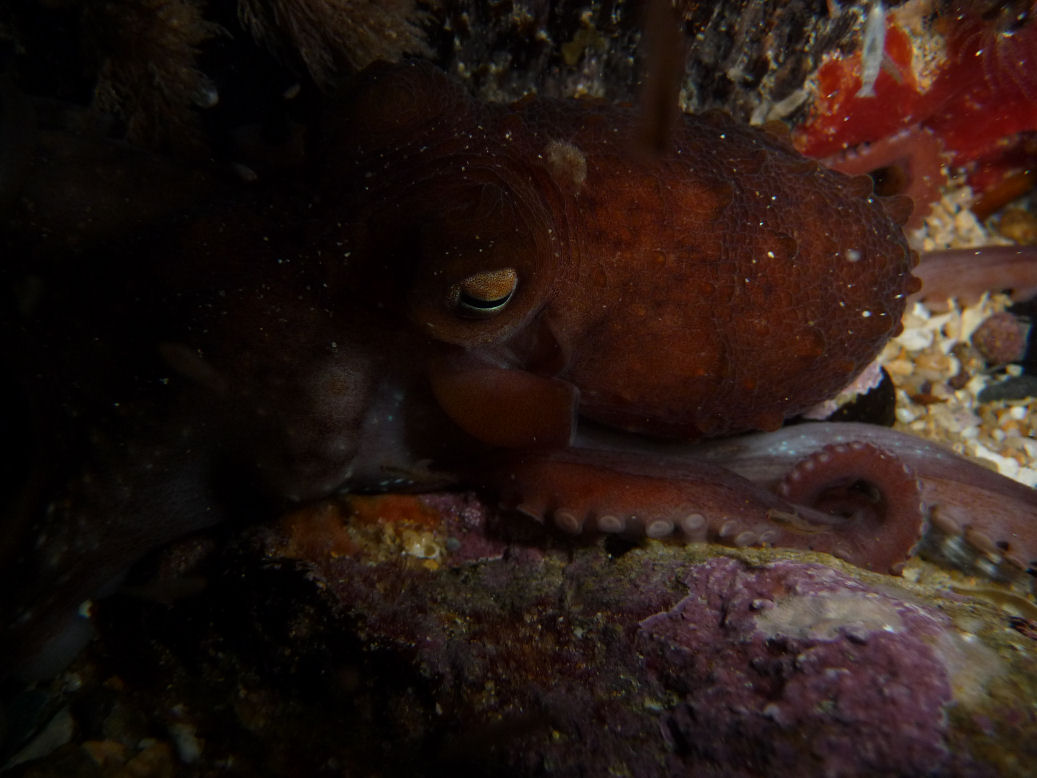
(484, 294)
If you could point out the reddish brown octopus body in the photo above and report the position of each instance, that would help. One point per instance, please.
(483, 277)
(720, 286)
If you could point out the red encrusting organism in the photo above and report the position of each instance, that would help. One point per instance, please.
(978, 100)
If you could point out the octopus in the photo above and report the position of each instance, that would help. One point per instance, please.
(529, 300)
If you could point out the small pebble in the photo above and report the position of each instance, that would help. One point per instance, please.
(1001, 339)
(1012, 388)
(1019, 226)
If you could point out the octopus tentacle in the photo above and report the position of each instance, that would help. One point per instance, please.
(875, 492)
(952, 537)
(977, 518)
(965, 274)
(585, 491)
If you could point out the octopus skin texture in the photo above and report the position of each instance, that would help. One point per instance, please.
(764, 282)
(469, 288)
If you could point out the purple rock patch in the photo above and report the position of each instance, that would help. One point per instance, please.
(798, 669)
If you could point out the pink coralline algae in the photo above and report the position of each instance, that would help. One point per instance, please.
(651, 662)
(429, 635)
(770, 660)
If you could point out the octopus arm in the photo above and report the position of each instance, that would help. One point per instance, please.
(635, 492)
(965, 274)
(969, 506)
